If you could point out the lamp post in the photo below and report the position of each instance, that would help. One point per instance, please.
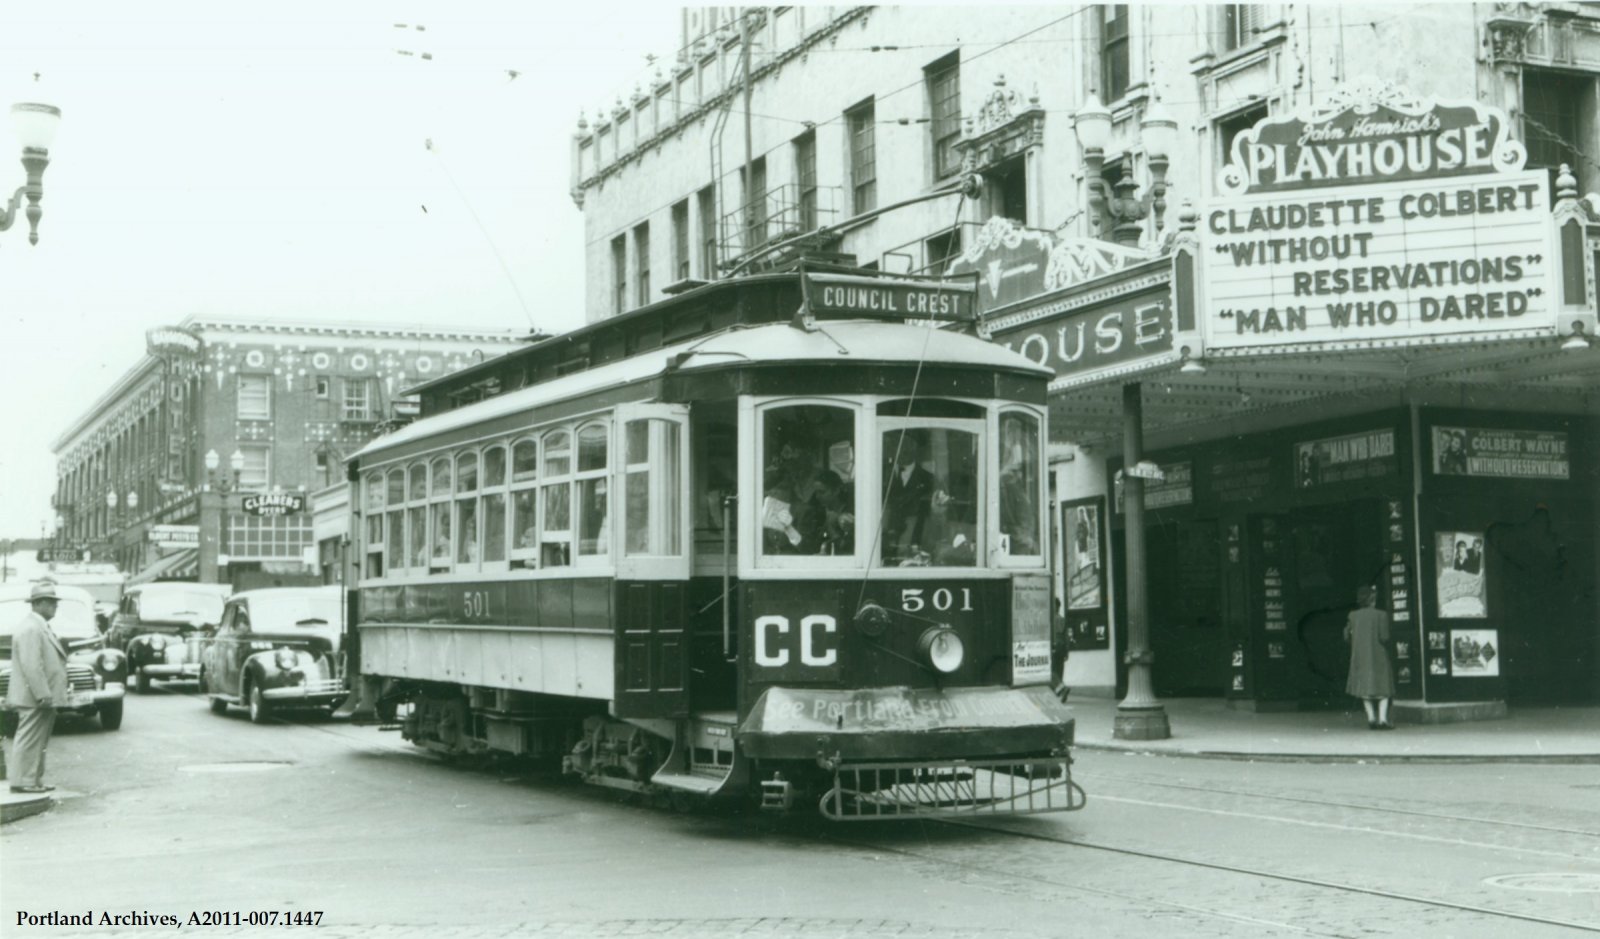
(1117, 205)
(35, 124)
(235, 463)
(1140, 715)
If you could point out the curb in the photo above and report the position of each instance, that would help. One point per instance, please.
(12, 809)
(1347, 758)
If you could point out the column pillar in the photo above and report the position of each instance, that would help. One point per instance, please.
(1140, 715)
(211, 510)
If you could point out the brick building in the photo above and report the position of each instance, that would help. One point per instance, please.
(157, 474)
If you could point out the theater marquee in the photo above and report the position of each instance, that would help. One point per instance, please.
(1377, 220)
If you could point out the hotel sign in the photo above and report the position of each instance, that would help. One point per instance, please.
(888, 297)
(1377, 219)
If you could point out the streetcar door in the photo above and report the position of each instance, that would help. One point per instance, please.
(652, 481)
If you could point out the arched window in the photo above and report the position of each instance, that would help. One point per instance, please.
(493, 503)
(417, 515)
(467, 532)
(439, 527)
(593, 491)
(555, 527)
(372, 524)
(395, 521)
(525, 502)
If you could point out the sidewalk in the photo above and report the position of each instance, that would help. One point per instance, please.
(1206, 727)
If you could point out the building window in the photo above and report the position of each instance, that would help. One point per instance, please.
(1114, 50)
(357, 400)
(1008, 189)
(680, 240)
(944, 99)
(805, 174)
(619, 274)
(755, 203)
(256, 474)
(940, 250)
(324, 386)
(1230, 127)
(1240, 24)
(641, 261)
(324, 467)
(255, 397)
(708, 232)
(1552, 107)
(861, 122)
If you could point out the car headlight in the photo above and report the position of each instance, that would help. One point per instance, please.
(942, 648)
(285, 659)
(158, 642)
(108, 661)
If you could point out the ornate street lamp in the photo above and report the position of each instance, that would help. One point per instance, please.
(1118, 206)
(35, 124)
(235, 463)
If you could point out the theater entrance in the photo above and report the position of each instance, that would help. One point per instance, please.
(1333, 550)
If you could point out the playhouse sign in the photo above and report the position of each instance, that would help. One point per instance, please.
(1377, 219)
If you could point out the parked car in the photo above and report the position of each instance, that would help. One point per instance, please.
(96, 675)
(277, 649)
(159, 626)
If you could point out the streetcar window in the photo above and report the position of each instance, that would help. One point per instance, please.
(808, 481)
(555, 527)
(594, 517)
(524, 461)
(494, 466)
(441, 476)
(930, 497)
(494, 504)
(467, 472)
(394, 520)
(651, 467)
(397, 487)
(419, 482)
(374, 493)
(716, 444)
(524, 502)
(466, 509)
(1020, 489)
(417, 516)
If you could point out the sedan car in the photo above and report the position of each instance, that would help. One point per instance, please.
(277, 649)
(96, 675)
(160, 627)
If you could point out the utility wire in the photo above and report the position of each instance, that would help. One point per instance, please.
(486, 236)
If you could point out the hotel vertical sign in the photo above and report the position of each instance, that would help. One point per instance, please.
(1376, 220)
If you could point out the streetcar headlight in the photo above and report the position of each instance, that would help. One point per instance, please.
(942, 648)
(285, 659)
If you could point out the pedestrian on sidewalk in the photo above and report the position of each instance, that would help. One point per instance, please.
(38, 685)
(1371, 675)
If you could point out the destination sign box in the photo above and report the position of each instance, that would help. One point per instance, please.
(1375, 221)
(890, 298)
(274, 503)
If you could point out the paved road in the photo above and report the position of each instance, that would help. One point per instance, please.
(185, 812)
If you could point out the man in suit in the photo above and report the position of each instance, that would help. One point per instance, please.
(38, 685)
(907, 500)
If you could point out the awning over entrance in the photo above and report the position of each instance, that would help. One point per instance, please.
(183, 565)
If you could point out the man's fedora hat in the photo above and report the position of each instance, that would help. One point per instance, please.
(43, 590)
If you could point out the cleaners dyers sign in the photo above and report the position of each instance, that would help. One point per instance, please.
(1377, 219)
(274, 503)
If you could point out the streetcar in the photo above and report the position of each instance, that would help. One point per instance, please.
(778, 540)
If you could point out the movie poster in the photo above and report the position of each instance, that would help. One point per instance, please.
(1085, 590)
(1475, 653)
(1461, 580)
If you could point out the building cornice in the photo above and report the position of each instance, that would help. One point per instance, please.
(714, 103)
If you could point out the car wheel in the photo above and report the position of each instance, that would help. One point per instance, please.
(143, 683)
(111, 715)
(258, 706)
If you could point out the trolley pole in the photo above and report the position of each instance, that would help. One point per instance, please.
(1140, 715)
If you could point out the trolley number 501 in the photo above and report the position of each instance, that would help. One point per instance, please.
(474, 604)
(943, 599)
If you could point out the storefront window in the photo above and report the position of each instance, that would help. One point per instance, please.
(808, 481)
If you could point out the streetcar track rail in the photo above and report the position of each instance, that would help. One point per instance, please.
(1277, 876)
(1476, 820)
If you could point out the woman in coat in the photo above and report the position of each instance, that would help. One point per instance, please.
(1371, 676)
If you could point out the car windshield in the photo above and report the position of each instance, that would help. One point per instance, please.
(74, 619)
(184, 606)
(293, 614)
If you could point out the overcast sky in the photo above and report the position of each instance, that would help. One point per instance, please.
(269, 160)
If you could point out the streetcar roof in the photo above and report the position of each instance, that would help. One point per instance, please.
(834, 342)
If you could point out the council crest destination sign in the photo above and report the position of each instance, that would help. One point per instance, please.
(1376, 220)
